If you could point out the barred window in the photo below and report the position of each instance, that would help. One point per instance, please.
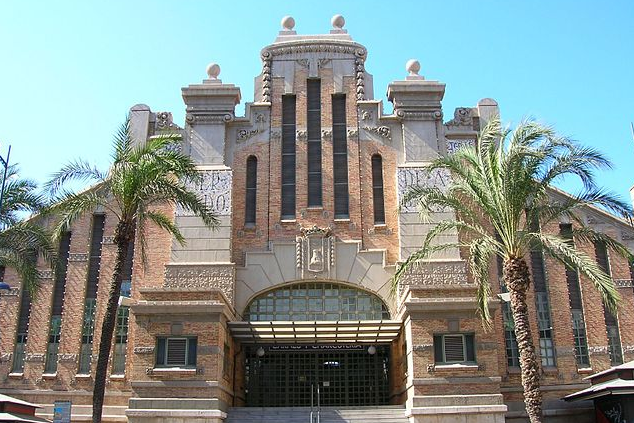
(611, 321)
(313, 126)
(377, 190)
(340, 156)
(121, 340)
(288, 156)
(22, 332)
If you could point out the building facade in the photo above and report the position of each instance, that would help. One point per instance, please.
(292, 290)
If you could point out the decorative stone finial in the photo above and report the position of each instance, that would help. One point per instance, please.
(412, 67)
(213, 70)
(288, 23)
(338, 22)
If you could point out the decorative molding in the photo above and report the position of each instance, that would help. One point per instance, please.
(34, 357)
(215, 191)
(628, 349)
(108, 240)
(627, 236)
(45, 274)
(409, 177)
(353, 133)
(144, 350)
(462, 116)
(382, 131)
(201, 276)
(78, 257)
(623, 283)
(67, 358)
(276, 135)
(601, 350)
(456, 144)
(367, 115)
(6, 357)
(433, 273)
(315, 253)
(322, 63)
(199, 118)
(360, 78)
(266, 77)
(326, 134)
(11, 292)
(422, 347)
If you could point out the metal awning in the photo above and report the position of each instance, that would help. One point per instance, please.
(300, 332)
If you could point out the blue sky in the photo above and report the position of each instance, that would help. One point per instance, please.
(71, 69)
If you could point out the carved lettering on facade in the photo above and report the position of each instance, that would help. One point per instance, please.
(455, 145)
(409, 177)
(201, 276)
(215, 191)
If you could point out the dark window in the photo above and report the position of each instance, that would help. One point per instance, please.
(377, 190)
(454, 348)
(58, 301)
(176, 351)
(576, 307)
(288, 156)
(340, 156)
(313, 118)
(23, 328)
(611, 322)
(510, 340)
(251, 189)
(94, 264)
(226, 362)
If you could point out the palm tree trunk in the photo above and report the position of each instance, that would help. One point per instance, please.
(124, 234)
(517, 279)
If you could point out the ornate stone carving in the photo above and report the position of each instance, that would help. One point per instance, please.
(454, 145)
(215, 191)
(315, 253)
(164, 121)
(195, 118)
(260, 118)
(266, 77)
(628, 349)
(409, 177)
(108, 240)
(353, 133)
(627, 236)
(11, 292)
(67, 358)
(326, 134)
(462, 116)
(78, 257)
(382, 131)
(434, 115)
(6, 357)
(45, 274)
(303, 63)
(276, 135)
(302, 135)
(367, 115)
(144, 350)
(201, 276)
(322, 63)
(360, 78)
(432, 273)
(34, 358)
(245, 134)
(623, 283)
(330, 47)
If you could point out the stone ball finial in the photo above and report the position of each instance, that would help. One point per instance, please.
(213, 70)
(412, 67)
(288, 23)
(338, 22)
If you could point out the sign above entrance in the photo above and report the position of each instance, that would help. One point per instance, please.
(317, 347)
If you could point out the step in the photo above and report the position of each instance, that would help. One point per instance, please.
(380, 414)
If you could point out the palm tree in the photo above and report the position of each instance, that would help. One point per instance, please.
(141, 178)
(22, 241)
(500, 191)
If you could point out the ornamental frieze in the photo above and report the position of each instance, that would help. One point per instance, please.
(409, 177)
(623, 283)
(144, 350)
(382, 131)
(201, 276)
(78, 257)
(67, 358)
(331, 47)
(45, 274)
(34, 358)
(435, 273)
(315, 253)
(214, 190)
(600, 350)
(463, 116)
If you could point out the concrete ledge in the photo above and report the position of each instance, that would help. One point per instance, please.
(150, 412)
(174, 403)
(456, 380)
(458, 409)
(458, 400)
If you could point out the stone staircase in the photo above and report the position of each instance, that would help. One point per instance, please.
(378, 414)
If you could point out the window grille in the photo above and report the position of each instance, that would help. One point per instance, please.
(313, 126)
(121, 340)
(340, 156)
(611, 321)
(251, 190)
(288, 156)
(377, 190)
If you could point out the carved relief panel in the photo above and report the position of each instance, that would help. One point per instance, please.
(315, 253)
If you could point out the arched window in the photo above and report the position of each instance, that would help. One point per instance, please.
(251, 189)
(377, 190)
(316, 301)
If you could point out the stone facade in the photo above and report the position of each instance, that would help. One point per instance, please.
(199, 288)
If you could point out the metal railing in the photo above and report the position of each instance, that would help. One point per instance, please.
(314, 414)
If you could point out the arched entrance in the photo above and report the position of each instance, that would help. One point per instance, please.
(304, 335)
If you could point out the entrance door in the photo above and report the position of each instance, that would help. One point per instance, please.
(283, 376)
